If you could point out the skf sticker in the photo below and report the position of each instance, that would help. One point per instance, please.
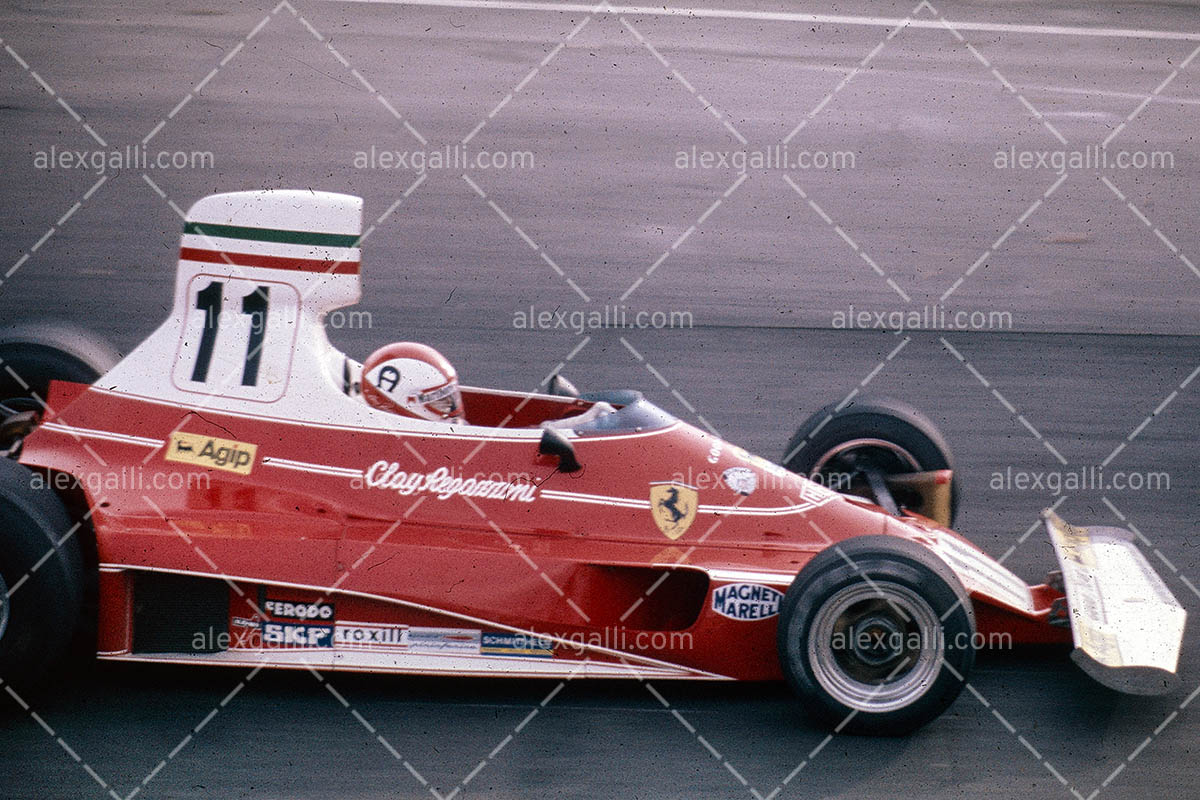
(289, 634)
(209, 451)
(746, 602)
(673, 506)
(502, 643)
(741, 479)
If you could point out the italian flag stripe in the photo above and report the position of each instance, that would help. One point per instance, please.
(271, 234)
(269, 262)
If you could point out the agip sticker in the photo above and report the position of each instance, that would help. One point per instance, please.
(209, 451)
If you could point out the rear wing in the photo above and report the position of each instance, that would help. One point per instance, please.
(1126, 624)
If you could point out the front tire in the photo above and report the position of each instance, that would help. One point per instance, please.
(41, 576)
(837, 446)
(876, 636)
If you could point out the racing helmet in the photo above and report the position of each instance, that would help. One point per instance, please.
(412, 380)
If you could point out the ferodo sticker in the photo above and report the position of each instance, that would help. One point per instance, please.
(746, 602)
(299, 610)
(209, 451)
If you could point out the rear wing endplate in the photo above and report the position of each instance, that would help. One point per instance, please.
(1127, 625)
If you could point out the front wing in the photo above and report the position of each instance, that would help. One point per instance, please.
(1126, 624)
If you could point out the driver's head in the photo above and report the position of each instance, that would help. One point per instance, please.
(413, 380)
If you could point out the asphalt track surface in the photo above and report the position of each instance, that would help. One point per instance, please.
(1097, 274)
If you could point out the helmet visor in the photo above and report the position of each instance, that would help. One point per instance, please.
(446, 401)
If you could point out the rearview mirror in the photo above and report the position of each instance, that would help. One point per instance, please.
(561, 387)
(554, 443)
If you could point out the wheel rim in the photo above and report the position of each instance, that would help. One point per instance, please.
(856, 454)
(843, 468)
(875, 647)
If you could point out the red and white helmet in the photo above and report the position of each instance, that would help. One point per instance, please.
(413, 380)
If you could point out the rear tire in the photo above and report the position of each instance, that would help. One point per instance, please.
(41, 575)
(33, 355)
(876, 636)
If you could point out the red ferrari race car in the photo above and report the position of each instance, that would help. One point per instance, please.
(236, 491)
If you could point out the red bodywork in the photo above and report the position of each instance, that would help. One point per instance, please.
(577, 558)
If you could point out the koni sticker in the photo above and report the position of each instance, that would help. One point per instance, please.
(746, 602)
(673, 506)
(209, 451)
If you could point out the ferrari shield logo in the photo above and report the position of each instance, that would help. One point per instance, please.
(673, 506)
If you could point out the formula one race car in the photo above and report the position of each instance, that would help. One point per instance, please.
(236, 491)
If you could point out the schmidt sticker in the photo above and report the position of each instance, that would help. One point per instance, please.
(746, 601)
